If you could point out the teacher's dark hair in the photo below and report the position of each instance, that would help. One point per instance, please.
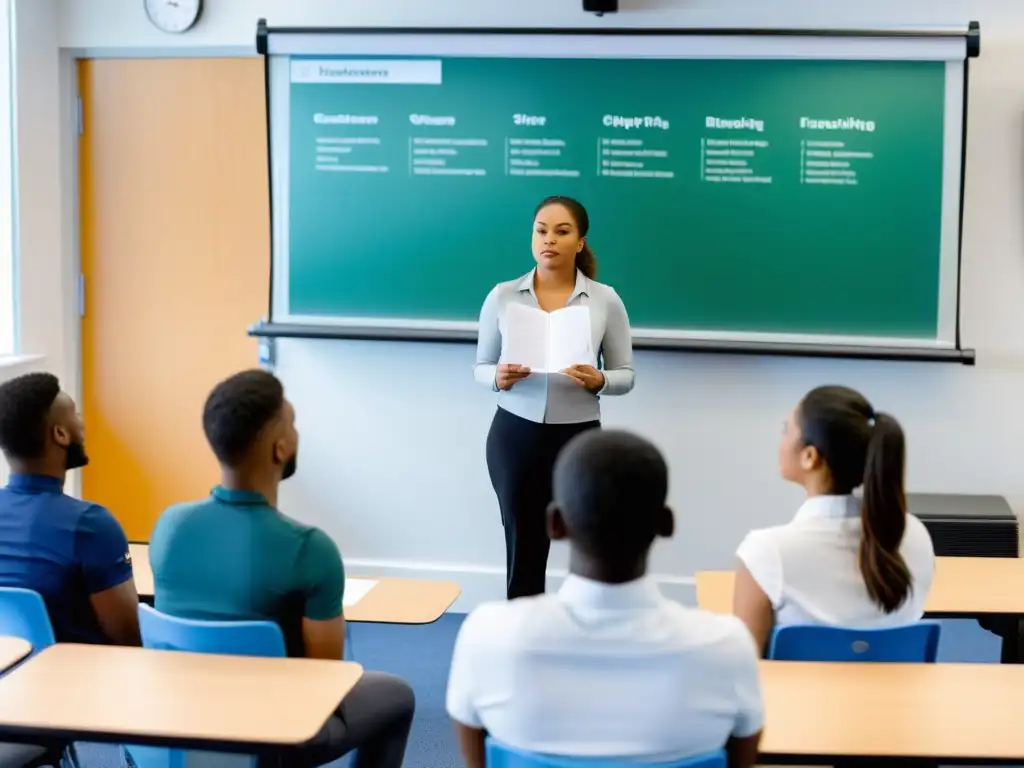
(586, 261)
(862, 447)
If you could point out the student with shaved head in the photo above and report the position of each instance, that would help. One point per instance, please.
(607, 667)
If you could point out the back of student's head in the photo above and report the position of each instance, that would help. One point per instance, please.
(244, 409)
(610, 489)
(25, 404)
(861, 446)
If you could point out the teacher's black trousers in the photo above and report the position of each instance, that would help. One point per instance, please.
(521, 460)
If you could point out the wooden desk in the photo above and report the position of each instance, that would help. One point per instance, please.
(141, 570)
(404, 601)
(962, 587)
(714, 590)
(165, 698)
(13, 650)
(955, 713)
(391, 601)
(977, 586)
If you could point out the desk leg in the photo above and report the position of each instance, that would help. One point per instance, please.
(1010, 630)
(273, 759)
(1013, 652)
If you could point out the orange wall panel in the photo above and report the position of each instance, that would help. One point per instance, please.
(175, 248)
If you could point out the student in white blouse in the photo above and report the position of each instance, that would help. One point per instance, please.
(842, 561)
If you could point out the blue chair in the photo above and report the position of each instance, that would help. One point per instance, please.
(503, 756)
(233, 638)
(913, 643)
(23, 614)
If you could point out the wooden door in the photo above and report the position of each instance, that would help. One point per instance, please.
(175, 248)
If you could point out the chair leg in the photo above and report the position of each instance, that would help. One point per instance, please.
(69, 757)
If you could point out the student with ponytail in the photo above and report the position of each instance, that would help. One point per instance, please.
(844, 560)
(538, 413)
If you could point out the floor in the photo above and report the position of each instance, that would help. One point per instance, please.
(421, 655)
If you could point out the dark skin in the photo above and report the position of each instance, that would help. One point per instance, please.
(63, 427)
(262, 471)
(116, 608)
(741, 753)
(583, 563)
(556, 243)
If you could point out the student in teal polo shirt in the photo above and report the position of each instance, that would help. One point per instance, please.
(234, 556)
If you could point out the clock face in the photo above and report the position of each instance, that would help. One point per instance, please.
(173, 15)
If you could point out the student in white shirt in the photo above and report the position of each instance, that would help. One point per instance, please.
(606, 667)
(842, 561)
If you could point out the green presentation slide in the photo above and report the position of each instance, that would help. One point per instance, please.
(776, 196)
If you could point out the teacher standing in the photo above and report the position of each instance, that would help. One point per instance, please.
(538, 414)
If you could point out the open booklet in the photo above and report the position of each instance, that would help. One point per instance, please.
(548, 342)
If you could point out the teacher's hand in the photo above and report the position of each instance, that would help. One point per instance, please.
(587, 376)
(509, 373)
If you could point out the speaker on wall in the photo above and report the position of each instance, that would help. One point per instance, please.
(600, 6)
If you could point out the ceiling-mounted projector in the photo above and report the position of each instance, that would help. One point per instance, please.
(600, 7)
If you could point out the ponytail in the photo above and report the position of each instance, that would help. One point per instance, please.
(883, 516)
(863, 447)
(586, 262)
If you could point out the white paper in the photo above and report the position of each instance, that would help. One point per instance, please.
(569, 339)
(547, 342)
(356, 589)
(526, 337)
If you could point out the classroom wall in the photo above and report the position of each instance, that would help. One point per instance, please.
(44, 222)
(392, 460)
(116, 24)
(44, 238)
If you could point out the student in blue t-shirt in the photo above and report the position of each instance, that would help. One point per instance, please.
(74, 553)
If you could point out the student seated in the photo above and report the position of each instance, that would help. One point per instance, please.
(607, 667)
(234, 556)
(842, 561)
(73, 552)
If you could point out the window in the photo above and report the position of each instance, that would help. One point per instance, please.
(7, 303)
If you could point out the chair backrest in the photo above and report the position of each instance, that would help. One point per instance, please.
(23, 614)
(503, 756)
(236, 638)
(911, 643)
